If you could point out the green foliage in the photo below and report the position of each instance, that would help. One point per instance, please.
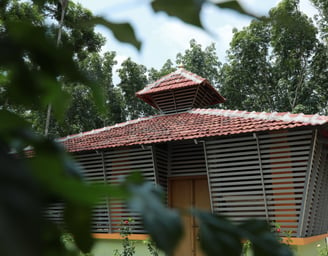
(127, 244)
(153, 250)
(122, 31)
(322, 17)
(78, 29)
(81, 46)
(20, 202)
(166, 69)
(323, 251)
(189, 10)
(218, 236)
(271, 62)
(133, 78)
(319, 76)
(204, 63)
(23, 11)
(70, 245)
(235, 6)
(246, 248)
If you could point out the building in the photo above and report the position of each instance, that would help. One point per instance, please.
(272, 166)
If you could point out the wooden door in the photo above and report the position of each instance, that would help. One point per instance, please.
(185, 193)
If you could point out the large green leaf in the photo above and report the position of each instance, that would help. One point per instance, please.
(37, 84)
(11, 126)
(163, 224)
(217, 235)
(189, 10)
(122, 31)
(20, 208)
(78, 222)
(235, 6)
(186, 10)
(11, 121)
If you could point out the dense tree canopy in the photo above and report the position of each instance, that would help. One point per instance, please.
(133, 78)
(270, 64)
(322, 18)
(78, 30)
(204, 63)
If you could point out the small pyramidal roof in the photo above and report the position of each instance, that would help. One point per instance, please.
(180, 91)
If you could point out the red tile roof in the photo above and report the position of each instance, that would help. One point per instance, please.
(180, 79)
(194, 124)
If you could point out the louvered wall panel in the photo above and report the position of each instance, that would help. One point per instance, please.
(323, 202)
(93, 172)
(320, 202)
(315, 219)
(310, 191)
(186, 159)
(54, 213)
(235, 178)
(111, 167)
(263, 180)
(161, 156)
(92, 164)
(119, 163)
(175, 100)
(285, 158)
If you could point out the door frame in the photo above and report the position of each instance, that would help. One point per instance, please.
(193, 223)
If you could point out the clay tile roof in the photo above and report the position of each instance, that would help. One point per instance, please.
(194, 124)
(180, 90)
(178, 79)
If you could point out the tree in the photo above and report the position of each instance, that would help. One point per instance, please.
(319, 77)
(248, 57)
(322, 17)
(204, 63)
(78, 30)
(319, 66)
(25, 12)
(166, 69)
(99, 69)
(269, 63)
(133, 78)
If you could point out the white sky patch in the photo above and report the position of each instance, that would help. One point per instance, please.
(225, 34)
(259, 7)
(308, 8)
(168, 39)
(119, 59)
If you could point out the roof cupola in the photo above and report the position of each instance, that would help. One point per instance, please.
(180, 91)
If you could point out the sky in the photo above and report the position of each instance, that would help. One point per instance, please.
(163, 36)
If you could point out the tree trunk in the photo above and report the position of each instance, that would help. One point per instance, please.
(63, 4)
